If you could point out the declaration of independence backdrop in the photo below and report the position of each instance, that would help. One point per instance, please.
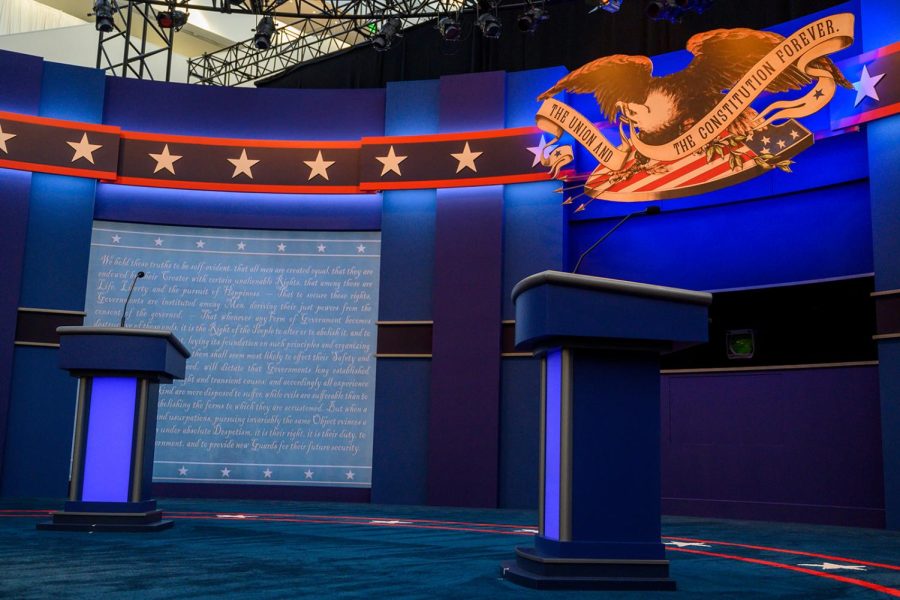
(281, 384)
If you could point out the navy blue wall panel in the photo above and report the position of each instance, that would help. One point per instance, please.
(812, 235)
(519, 432)
(61, 212)
(265, 113)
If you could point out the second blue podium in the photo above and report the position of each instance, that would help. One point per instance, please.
(119, 371)
(599, 497)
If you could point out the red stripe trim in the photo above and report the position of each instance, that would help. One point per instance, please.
(60, 123)
(239, 187)
(713, 173)
(451, 183)
(869, 115)
(872, 55)
(57, 170)
(786, 551)
(768, 563)
(449, 137)
(656, 183)
(211, 141)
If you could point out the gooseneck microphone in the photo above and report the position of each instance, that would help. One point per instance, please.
(650, 210)
(137, 276)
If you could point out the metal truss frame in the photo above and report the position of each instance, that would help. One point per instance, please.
(318, 28)
(129, 16)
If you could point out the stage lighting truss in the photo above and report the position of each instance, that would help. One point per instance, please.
(132, 32)
(674, 11)
(610, 6)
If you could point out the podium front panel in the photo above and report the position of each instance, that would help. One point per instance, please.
(110, 439)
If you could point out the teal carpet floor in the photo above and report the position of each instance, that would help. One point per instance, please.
(243, 549)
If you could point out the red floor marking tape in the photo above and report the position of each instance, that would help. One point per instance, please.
(786, 551)
(859, 582)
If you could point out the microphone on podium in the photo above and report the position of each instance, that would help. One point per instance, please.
(650, 210)
(137, 276)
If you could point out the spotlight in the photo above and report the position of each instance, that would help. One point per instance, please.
(104, 11)
(490, 26)
(610, 6)
(171, 19)
(262, 40)
(450, 29)
(529, 20)
(383, 40)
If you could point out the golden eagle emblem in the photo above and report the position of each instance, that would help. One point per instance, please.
(704, 110)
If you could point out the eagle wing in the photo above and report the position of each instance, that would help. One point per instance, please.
(611, 79)
(723, 56)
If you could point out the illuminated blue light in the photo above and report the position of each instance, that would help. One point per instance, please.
(107, 460)
(552, 445)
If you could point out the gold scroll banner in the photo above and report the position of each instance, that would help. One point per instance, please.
(816, 40)
(556, 117)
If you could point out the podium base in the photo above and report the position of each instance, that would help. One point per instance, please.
(107, 521)
(546, 573)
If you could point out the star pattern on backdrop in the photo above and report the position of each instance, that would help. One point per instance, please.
(539, 151)
(865, 87)
(5, 137)
(350, 475)
(241, 245)
(200, 243)
(158, 242)
(226, 472)
(84, 149)
(466, 159)
(318, 167)
(282, 247)
(165, 160)
(267, 473)
(391, 162)
(360, 249)
(308, 473)
(183, 471)
(320, 248)
(242, 165)
(116, 239)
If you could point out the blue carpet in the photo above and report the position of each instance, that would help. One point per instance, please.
(244, 549)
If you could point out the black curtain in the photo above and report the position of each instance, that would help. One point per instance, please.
(571, 37)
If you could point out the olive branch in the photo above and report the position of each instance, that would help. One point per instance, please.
(765, 160)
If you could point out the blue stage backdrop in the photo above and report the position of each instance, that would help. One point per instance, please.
(281, 385)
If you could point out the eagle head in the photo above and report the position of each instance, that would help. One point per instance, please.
(656, 114)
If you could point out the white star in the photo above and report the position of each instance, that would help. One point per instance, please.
(539, 151)
(767, 150)
(267, 473)
(226, 472)
(865, 87)
(827, 566)
(182, 471)
(158, 241)
(200, 243)
(318, 167)
(527, 530)
(321, 247)
(116, 238)
(390, 522)
(241, 245)
(683, 544)
(466, 159)
(360, 249)
(350, 474)
(5, 137)
(282, 247)
(84, 149)
(781, 144)
(766, 141)
(242, 165)
(391, 162)
(750, 136)
(165, 160)
(794, 134)
(308, 473)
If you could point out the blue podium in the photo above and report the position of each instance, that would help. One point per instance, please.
(599, 497)
(119, 371)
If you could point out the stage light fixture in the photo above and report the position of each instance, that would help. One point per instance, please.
(389, 32)
(262, 39)
(171, 19)
(490, 26)
(104, 12)
(610, 6)
(450, 29)
(529, 20)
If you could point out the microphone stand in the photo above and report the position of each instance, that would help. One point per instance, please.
(650, 210)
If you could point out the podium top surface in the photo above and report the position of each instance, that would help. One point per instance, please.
(619, 286)
(135, 331)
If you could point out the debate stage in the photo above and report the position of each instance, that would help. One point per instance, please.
(258, 549)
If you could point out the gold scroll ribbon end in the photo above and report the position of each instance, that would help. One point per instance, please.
(558, 159)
